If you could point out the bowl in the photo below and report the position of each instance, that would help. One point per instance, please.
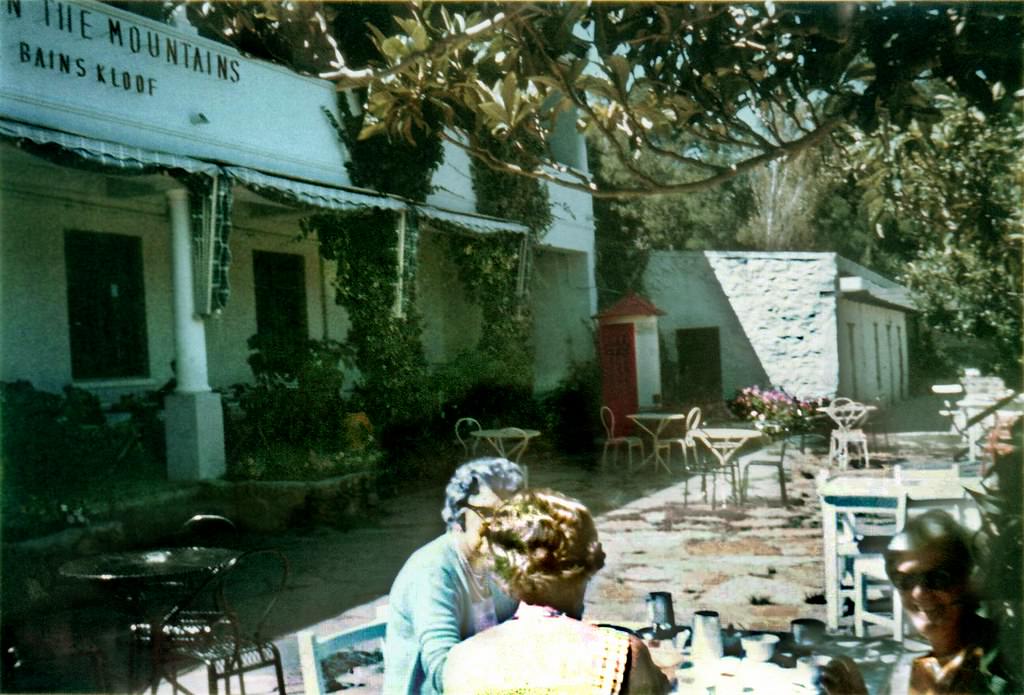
(759, 647)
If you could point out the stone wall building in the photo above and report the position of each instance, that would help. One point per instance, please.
(814, 324)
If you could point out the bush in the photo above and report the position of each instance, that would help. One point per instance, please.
(286, 462)
(297, 398)
(297, 423)
(571, 410)
(60, 456)
(774, 410)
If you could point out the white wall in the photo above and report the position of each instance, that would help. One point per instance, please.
(867, 374)
(563, 291)
(451, 323)
(563, 332)
(286, 133)
(685, 287)
(775, 312)
(41, 201)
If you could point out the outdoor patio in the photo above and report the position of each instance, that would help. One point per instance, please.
(759, 566)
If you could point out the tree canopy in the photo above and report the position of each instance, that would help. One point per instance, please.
(762, 81)
(917, 107)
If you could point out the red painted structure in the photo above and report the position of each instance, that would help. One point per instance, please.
(617, 350)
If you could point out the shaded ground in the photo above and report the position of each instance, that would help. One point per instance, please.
(759, 566)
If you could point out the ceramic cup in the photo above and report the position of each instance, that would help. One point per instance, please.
(759, 647)
(808, 670)
(807, 631)
(707, 636)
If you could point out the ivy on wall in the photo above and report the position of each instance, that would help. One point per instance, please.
(489, 266)
(489, 270)
(388, 349)
(403, 167)
(519, 198)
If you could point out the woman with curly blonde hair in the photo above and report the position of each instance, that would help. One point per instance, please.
(543, 549)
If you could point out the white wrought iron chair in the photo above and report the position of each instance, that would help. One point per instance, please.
(463, 427)
(686, 443)
(848, 415)
(616, 442)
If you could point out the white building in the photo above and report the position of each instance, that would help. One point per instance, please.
(110, 268)
(815, 324)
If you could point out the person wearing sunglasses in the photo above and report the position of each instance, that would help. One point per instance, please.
(930, 564)
(543, 549)
(442, 595)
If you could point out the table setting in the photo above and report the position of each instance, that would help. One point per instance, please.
(707, 657)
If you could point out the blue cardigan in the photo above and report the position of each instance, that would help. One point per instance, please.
(431, 610)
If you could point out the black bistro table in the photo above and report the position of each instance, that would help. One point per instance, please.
(147, 567)
(149, 582)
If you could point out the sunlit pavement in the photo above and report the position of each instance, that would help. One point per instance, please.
(760, 566)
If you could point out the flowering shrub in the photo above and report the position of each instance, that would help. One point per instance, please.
(774, 410)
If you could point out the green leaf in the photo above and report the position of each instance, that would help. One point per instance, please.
(495, 113)
(509, 92)
(393, 49)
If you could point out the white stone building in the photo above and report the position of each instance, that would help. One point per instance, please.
(815, 324)
(109, 267)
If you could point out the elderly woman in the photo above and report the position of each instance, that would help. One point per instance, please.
(440, 596)
(544, 549)
(930, 565)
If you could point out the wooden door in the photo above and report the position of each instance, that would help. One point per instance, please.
(698, 352)
(617, 343)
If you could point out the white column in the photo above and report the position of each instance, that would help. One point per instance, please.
(189, 330)
(193, 418)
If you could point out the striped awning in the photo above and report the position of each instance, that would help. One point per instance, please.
(480, 224)
(103, 152)
(139, 160)
(302, 193)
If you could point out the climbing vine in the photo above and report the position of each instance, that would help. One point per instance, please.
(519, 198)
(365, 246)
(401, 167)
(489, 272)
(492, 268)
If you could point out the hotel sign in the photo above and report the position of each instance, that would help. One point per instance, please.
(94, 70)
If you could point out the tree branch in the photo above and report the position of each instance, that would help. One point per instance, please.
(346, 78)
(785, 149)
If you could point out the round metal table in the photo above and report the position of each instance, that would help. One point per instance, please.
(147, 566)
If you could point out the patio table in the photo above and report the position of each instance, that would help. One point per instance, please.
(654, 424)
(134, 576)
(151, 567)
(883, 663)
(510, 443)
(724, 442)
(848, 491)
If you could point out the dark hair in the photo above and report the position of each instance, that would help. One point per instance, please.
(502, 476)
(539, 542)
(935, 531)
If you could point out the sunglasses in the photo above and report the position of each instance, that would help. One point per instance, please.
(934, 580)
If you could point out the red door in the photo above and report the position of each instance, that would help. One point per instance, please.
(618, 371)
